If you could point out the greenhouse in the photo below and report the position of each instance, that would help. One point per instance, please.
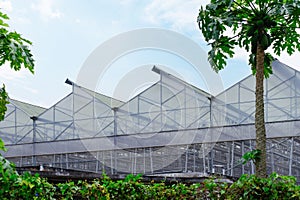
(170, 127)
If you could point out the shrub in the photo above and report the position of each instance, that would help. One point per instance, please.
(273, 187)
(27, 186)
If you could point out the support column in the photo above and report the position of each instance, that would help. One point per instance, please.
(186, 158)
(185, 107)
(228, 147)
(111, 162)
(151, 161)
(291, 157)
(67, 161)
(272, 158)
(232, 159)
(131, 158)
(210, 113)
(61, 160)
(94, 115)
(135, 160)
(203, 157)
(73, 110)
(34, 118)
(194, 158)
(97, 162)
(139, 115)
(103, 161)
(239, 100)
(161, 106)
(295, 97)
(16, 131)
(243, 152)
(54, 161)
(252, 164)
(114, 161)
(211, 161)
(144, 160)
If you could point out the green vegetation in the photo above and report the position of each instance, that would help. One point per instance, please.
(27, 186)
(255, 26)
(273, 187)
(251, 155)
(258, 24)
(15, 51)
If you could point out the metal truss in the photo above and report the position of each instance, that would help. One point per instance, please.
(171, 126)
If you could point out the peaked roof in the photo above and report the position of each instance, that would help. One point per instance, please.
(109, 101)
(281, 91)
(279, 70)
(159, 71)
(31, 110)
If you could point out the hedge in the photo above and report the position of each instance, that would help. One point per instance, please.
(27, 186)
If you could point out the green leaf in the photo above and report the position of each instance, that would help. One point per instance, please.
(253, 155)
(3, 102)
(2, 145)
(272, 24)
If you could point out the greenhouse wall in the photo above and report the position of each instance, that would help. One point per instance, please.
(171, 126)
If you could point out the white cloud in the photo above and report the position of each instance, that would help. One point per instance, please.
(180, 15)
(6, 6)
(16, 82)
(23, 20)
(241, 54)
(292, 61)
(29, 89)
(127, 2)
(115, 22)
(6, 73)
(77, 21)
(46, 9)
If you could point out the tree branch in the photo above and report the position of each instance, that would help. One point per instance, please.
(243, 8)
(252, 6)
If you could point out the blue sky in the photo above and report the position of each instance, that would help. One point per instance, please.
(65, 32)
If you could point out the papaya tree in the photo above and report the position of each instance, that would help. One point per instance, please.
(14, 50)
(256, 26)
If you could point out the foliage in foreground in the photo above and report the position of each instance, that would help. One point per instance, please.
(14, 50)
(257, 27)
(27, 186)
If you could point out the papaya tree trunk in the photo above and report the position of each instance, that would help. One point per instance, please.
(260, 164)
